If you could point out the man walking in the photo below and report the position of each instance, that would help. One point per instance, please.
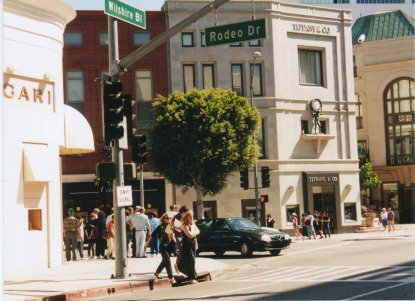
(71, 234)
(391, 220)
(141, 224)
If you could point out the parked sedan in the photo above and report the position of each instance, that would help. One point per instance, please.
(239, 234)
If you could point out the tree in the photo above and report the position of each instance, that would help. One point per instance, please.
(200, 137)
(368, 178)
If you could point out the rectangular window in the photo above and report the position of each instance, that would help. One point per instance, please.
(208, 76)
(202, 39)
(188, 39)
(75, 90)
(304, 127)
(141, 37)
(35, 219)
(255, 43)
(354, 67)
(237, 79)
(189, 77)
(257, 79)
(359, 113)
(362, 152)
(237, 44)
(350, 212)
(144, 95)
(103, 38)
(73, 38)
(323, 127)
(260, 139)
(290, 209)
(379, 1)
(310, 67)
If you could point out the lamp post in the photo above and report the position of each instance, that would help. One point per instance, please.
(255, 55)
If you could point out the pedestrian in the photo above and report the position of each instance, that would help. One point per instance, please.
(178, 235)
(141, 224)
(309, 221)
(154, 244)
(81, 239)
(187, 264)
(71, 234)
(110, 253)
(295, 226)
(383, 218)
(127, 232)
(164, 233)
(174, 209)
(303, 225)
(270, 221)
(326, 225)
(320, 223)
(391, 220)
(91, 234)
(101, 242)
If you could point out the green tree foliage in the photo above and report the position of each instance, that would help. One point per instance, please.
(200, 137)
(368, 177)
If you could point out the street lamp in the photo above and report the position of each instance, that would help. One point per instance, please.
(255, 54)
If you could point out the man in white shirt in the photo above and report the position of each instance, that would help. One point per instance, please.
(140, 222)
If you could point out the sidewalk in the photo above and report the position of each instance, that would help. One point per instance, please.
(88, 278)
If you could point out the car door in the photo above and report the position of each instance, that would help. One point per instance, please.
(205, 237)
(222, 236)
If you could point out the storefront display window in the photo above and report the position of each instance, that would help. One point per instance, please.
(290, 209)
(350, 212)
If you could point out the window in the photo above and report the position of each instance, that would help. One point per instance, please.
(35, 219)
(144, 96)
(362, 152)
(304, 127)
(237, 44)
(359, 113)
(323, 127)
(189, 79)
(187, 39)
(379, 1)
(141, 37)
(103, 38)
(256, 78)
(208, 75)
(350, 212)
(255, 43)
(237, 79)
(202, 39)
(75, 89)
(310, 67)
(399, 100)
(73, 38)
(290, 209)
(260, 139)
(354, 67)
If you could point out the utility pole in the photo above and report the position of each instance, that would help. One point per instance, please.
(117, 158)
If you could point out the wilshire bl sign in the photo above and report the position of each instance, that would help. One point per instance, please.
(237, 32)
(125, 12)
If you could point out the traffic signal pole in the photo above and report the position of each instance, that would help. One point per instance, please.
(117, 157)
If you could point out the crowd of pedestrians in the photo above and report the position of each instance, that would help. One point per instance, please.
(174, 234)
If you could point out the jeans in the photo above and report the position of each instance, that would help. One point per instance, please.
(165, 262)
(154, 246)
(326, 229)
(311, 231)
(71, 244)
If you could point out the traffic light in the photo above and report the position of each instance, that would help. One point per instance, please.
(105, 172)
(265, 176)
(113, 111)
(244, 179)
(130, 116)
(263, 198)
(139, 149)
(130, 171)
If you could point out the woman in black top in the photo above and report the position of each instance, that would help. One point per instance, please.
(165, 234)
(188, 261)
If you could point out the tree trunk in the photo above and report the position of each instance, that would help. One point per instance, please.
(199, 202)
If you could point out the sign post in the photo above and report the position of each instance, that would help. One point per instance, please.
(236, 32)
(125, 13)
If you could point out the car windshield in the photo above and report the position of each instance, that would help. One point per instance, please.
(242, 223)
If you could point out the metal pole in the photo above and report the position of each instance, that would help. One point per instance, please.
(141, 185)
(257, 204)
(117, 158)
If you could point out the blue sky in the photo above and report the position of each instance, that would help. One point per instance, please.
(99, 4)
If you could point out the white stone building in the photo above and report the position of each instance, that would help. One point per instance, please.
(306, 55)
(37, 128)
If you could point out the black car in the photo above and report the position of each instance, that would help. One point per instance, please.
(239, 234)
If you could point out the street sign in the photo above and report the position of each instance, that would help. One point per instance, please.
(124, 196)
(236, 32)
(125, 12)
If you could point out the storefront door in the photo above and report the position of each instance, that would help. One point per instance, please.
(324, 200)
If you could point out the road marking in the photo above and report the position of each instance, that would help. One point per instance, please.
(376, 291)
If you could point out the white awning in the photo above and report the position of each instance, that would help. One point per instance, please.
(35, 158)
(79, 138)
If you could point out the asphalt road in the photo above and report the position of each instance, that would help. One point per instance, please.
(381, 268)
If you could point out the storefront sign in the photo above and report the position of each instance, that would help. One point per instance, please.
(315, 29)
(322, 179)
(404, 118)
(29, 91)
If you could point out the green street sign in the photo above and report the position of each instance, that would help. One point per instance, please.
(125, 12)
(237, 32)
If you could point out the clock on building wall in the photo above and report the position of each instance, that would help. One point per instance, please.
(316, 105)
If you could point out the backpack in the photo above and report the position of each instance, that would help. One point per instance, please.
(390, 215)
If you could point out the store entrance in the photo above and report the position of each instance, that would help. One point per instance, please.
(324, 200)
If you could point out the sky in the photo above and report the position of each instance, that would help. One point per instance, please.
(99, 4)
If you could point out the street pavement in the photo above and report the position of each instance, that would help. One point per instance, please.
(93, 278)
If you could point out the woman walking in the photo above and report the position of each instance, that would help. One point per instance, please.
(164, 234)
(295, 226)
(188, 260)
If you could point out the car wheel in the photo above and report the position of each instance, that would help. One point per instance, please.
(246, 249)
(275, 252)
(219, 253)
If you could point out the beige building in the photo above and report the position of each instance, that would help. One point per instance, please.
(384, 59)
(37, 129)
(306, 55)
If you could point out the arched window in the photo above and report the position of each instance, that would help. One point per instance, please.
(399, 100)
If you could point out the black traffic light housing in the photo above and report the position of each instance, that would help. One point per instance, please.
(130, 116)
(113, 111)
(105, 171)
(265, 176)
(139, 149)
(244, 178)
(263, 198)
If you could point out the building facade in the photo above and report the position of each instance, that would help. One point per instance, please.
(385, 93)
(37, 129)
(85, 61)
(306, 55)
